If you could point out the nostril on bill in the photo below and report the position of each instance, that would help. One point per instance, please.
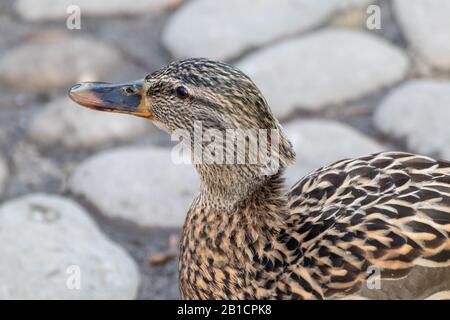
(75, 87)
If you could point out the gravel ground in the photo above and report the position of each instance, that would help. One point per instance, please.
(17, 109)
(157, 282)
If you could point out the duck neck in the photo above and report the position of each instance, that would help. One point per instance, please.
(228, 186)
(240, 198)
(256, 209)
(228, 241)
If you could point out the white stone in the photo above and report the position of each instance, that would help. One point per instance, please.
(321, 142)
(56, 63)
(324, 67)
(225, 29)
(426, 24)
(33, 171)
(35, 10)
(418, 112)
(47, 241)
(64, 122)
(3, 174)
(138, 184)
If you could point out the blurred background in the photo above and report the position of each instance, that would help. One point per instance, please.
(91, 204)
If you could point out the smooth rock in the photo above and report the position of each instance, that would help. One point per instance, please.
(142, 185)
(36, 10)
(419, 113)
(321, 142)
(3, 174)
(33, 171)
(54, 250)
(308, 73)
(226, 29)
(138, 39)
(64, 122)
(60, 62)
(426, 25)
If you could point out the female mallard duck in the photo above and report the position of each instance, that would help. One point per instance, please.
(335, 234)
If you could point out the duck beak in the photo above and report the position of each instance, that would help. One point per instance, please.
(126, 97)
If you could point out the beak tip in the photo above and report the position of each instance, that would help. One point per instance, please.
(71, 95)
(82, 95)
(74, 91)
(75, 87)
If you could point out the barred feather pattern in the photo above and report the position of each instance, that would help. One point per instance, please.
(389, 211)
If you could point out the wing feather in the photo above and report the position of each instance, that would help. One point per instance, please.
(389, 211)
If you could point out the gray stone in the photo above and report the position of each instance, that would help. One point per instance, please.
(138, 38)
(321, 142)
(426, 24)
(56, 63)
(36, 10)
(64, 122)
(51, 240)
(308, 73)
(3, 174)
(142, 185)
(418, 112)
(226, 29)
(33, 172)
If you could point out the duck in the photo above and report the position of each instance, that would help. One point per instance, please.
(371, 227)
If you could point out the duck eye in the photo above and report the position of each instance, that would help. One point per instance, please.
(182, 92)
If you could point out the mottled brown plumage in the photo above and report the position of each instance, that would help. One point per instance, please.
(389, 210)
(245, 237)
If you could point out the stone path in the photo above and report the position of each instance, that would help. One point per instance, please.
(57, 61)
(34, 10)
(284, 71)
(120, 183)
(320, 142)
(427, 27)
(49, 238)
(100, 191)
(62, 122)
(213, 26)
(3, 174)
(418, 113)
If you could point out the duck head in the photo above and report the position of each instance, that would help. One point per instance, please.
(188, 93)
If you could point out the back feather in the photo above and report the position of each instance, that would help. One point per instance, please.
(389, 211)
